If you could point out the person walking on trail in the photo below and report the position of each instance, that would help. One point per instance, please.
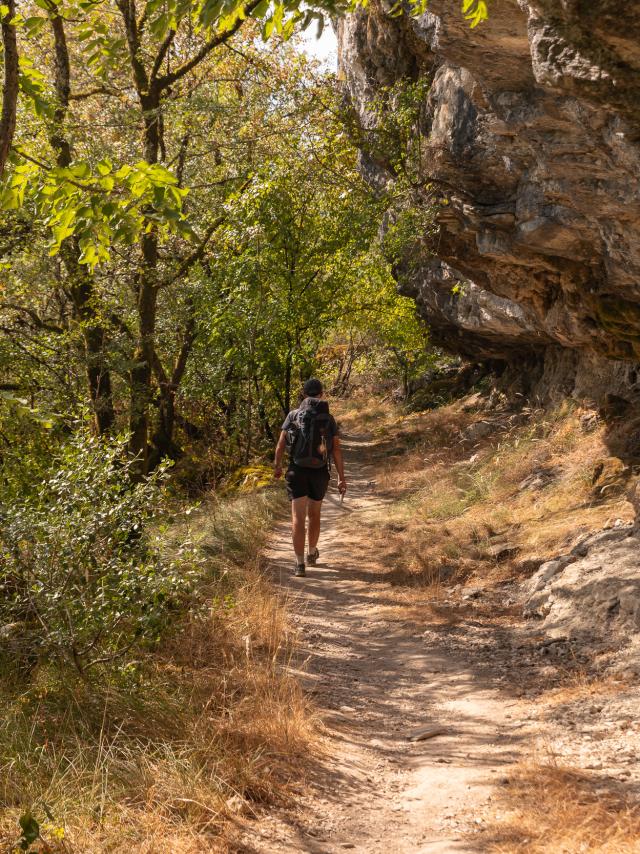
(311, 434)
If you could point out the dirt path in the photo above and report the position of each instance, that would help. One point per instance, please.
(378, 678)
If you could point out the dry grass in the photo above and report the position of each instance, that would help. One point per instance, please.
(582, 686)
(547, 808)
(456, 505)
(210, 725)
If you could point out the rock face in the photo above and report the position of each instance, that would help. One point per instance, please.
(531, 137)
(593, 592)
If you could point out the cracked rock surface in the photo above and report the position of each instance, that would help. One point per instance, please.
(531, 131)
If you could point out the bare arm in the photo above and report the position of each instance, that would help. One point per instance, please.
(339, 461)
(280, 448)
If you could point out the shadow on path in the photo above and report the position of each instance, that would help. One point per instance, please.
(378, 679)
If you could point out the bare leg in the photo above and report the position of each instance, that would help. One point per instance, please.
(313, 511)
(298, 523)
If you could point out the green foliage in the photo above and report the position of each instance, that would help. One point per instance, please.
(379, 340)
(460, 288)
(111, 205)
(286, 268)
(475, 11)
(30, 831)
(406, 226)
(394, 141)
(83, 580)
(395, 137)
(99, 207)
(38, 837)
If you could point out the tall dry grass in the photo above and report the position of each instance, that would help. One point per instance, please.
(453, 504)
(546, 808)
(207, 727)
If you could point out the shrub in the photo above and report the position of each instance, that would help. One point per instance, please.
(82, 580)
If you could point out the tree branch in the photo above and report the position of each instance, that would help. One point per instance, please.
(188, 337)
(128, 12)
(59, 141)
(99, 90)
(35, 318)
(162, 52)
(197, 253)
(158, 370)
(221, 38)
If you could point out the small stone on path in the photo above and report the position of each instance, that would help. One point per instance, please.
(427, 732)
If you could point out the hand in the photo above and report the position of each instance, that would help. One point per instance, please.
(277, 472)
(342, 486)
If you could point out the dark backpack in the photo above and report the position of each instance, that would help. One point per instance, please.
(310, 436)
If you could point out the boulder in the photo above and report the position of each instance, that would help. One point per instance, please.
(593, 592)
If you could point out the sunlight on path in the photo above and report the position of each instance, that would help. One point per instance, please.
(378, 680)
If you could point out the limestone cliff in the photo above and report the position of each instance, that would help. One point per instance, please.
(532, 137)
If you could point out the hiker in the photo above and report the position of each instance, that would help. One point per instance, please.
(311, 433)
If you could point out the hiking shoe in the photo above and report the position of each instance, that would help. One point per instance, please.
(299, 571)
(312, 559)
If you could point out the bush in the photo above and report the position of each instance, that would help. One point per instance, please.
(82, 581)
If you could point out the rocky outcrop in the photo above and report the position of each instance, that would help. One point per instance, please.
(531, 147)
(592, 593)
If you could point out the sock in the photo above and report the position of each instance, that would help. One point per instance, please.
(299, 559)
(312, 551)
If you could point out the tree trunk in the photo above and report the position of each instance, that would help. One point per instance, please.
(10, 84)
(163, 441)
(140, 375)
(142, 371)
(82, 284)
(262, 412)
(95, 339)
(248, 440)
(287, 382)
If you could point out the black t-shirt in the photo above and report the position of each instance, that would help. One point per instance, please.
(290, 419)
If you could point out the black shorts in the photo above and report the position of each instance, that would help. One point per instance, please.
(312, 483)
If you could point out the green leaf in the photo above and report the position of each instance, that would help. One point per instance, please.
(261, 9)
(104, 166)
(475, 11)
(30, 830)
(33, 25)
(288, 28)
(89, 255)
(210, 12)
(9, 199)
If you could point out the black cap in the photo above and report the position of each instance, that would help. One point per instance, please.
(312, 387)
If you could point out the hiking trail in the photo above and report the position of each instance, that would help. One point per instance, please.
(379, 678)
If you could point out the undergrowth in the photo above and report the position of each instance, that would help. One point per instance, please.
(206, 725)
